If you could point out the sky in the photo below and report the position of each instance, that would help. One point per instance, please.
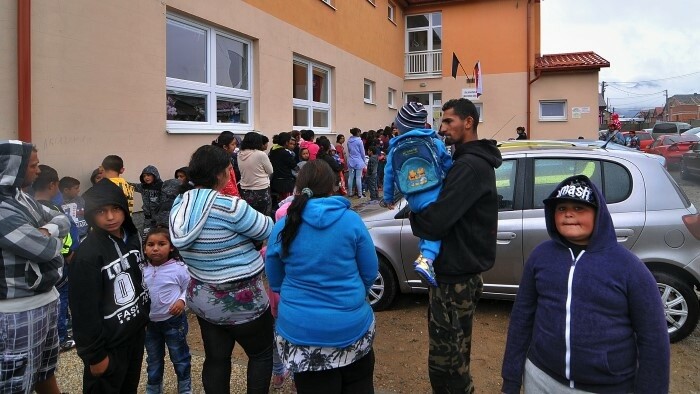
(651, 45)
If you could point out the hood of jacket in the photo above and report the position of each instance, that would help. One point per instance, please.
(486, 149)
(249, 153)
(105, 192)
(157, 182)
(189, 214)
(14, 159)
(603, 236)
(324, 212)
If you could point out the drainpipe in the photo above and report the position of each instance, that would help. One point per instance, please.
(527, 64)
(24, 71)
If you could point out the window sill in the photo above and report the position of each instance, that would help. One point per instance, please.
(553, 120)
(373, 2)
(392, 107)
(370, 103)
(207, 129)
(392, 21)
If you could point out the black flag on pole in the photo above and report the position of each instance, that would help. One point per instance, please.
(455, 64)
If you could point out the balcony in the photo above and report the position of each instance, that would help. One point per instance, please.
(423, 64)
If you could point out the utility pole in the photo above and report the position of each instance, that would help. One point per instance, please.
(602, 89)
(666, 105)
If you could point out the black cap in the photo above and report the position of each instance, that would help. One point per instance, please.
(577, 188)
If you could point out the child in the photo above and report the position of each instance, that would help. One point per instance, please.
(169, 191)
(112, 169)
(588, 316)
(150, 189)
(73, 205)
(46, 189)
(109, 303)
(166, 280)
(303, 158)
(372, 167)
(417, 162)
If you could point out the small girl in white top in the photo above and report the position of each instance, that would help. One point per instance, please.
(167, 279)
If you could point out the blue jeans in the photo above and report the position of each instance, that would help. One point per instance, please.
(355, 177)
(173, 333)
(62, 322)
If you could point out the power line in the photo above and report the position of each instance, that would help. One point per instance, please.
(635, 94)
(655, 80)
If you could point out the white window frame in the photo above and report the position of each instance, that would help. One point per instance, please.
(428, 29)
(391, 98)
(309, 104)
(479, 110)
(391, 12)
(371, 85)
(210, 89)
(544, 118)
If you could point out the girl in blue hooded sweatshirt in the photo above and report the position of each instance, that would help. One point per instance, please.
(325, 326)
(588, 316)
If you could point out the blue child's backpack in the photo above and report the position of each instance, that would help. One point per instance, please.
(416, 165)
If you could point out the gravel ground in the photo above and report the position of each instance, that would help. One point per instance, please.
(70, 373)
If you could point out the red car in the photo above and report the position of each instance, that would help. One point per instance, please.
(672, 147)
(645, 139)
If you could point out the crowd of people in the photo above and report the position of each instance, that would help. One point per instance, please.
(239, 237)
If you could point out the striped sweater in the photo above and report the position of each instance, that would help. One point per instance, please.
(215, 235)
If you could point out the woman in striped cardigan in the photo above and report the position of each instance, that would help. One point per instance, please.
(216, 236)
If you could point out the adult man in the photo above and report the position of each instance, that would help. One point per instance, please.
(521, 133)
(465, 219)
(30, 265)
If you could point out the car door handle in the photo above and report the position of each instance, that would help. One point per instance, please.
(623, 234)
(504, 237)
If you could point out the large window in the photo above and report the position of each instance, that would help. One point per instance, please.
(553, 110)
(311, 92)
(208, 81)
(424, 45)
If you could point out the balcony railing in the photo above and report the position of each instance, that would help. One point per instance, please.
(423, 64)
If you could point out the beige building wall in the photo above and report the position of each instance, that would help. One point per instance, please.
(99, 80)
(503, 100)
(579, 90)
(8, 70)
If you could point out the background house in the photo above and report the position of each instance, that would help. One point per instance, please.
(684, 108)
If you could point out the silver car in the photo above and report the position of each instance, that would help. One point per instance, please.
(653, 218)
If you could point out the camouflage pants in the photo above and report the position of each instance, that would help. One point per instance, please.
(450, 315)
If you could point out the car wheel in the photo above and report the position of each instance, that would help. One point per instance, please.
(680, 305)
(383, 290)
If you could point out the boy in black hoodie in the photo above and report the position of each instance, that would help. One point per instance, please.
(109, 303)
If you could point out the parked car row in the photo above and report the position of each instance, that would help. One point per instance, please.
(652, 215)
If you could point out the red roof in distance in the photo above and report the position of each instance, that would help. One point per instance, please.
(575, 61)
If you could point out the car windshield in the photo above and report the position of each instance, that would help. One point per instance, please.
(681, 138)
(694, 130)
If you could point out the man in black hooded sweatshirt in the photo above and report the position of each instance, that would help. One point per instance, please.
(109, 303)
(465, 219)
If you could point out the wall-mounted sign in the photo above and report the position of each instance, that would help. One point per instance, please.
(469, 93)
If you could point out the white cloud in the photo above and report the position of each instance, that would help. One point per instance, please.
(643, 40)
